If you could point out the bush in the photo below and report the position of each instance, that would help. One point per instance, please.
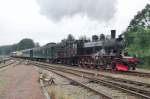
(145, 62)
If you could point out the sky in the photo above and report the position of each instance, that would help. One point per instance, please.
(47, 21)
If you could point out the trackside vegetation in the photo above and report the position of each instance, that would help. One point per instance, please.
(23, 44)
(137, 36)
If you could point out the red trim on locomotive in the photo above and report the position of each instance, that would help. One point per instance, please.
(122, 67)
(133, 59)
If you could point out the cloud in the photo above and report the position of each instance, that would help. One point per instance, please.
(101, 10)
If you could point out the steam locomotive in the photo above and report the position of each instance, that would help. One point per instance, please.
(101, 53)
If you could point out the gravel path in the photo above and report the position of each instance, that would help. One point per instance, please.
(20, 82)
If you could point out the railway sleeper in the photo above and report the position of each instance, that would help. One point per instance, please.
(136, 89)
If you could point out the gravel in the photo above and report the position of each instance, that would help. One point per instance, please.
(64, 90)
(128, 77)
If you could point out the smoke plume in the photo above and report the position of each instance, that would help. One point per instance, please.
(101, 10)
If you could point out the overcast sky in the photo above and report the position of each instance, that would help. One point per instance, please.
(52, 20)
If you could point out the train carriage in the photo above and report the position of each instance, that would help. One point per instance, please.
(28, 53)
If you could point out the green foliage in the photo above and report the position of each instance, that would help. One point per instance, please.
(137, 36)
(138, 42)
(23, 44)
(4, 50)
(142, 19)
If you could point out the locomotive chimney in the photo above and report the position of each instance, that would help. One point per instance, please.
(113, 34)
(94, 38)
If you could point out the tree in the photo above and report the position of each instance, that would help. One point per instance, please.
(70, 37)
(139, 43)
(137, 35)
(142, 19)
(139, 22)
(25, 44)
(4, 50)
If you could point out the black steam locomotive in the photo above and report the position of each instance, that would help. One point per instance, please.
(101, 52)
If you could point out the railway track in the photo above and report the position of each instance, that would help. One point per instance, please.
(7, 64)
(132, 87)
(103, 95)
(13, 63)
(60, 73)
(132, 73)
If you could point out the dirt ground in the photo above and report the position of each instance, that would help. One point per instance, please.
(20, 82)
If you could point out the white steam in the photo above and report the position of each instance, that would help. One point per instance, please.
(101, 10)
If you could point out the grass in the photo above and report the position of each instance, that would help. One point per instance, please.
(144, 66)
